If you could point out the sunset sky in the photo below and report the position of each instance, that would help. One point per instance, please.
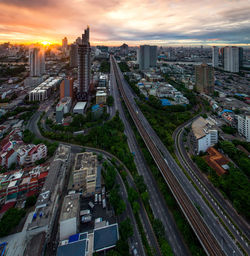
(132, 21)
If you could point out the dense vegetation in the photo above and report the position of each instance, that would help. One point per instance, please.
(164, 121)
(228, 129)
(110, 100)
(108, 136)
(234, 184)
(105, 66)
(124, 67)
(10, 219)
(27, 113)
(7, 71)
(79, 122)
(126, 230)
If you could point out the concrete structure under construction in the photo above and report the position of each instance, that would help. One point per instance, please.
(69, 218)
(84, 66)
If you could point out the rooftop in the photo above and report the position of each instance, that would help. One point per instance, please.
(75, 249)
(70, 208)
(200, 125)
(105, 237)
(217, 161)
(80, 105)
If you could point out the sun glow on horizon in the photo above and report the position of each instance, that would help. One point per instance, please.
(46, 43)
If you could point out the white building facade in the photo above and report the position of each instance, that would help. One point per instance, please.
(215, 56)
(231, 59)
(244, 126)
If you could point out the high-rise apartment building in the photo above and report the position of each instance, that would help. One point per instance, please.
(240, 57)
(244, 126)
(204, 79)
(147, 56)
(231, 59)
(66, 88)
(84, 65)
(215, 56)
(36, 62)
(64, 43)
(73, 56)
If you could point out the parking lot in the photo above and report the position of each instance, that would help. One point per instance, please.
(106, 214)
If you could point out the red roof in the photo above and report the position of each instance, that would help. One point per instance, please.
(31, 193)
(43, 175)
(7, 207)
(10, 152)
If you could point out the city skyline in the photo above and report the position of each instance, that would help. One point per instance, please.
(113, 22)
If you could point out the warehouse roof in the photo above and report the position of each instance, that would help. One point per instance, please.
(105, 237)
(77, 249)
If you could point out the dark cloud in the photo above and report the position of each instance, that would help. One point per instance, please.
(28, 3)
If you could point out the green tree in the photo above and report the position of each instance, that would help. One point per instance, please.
(136, 207)
(110, 100)
(126, 229)
(30, 201)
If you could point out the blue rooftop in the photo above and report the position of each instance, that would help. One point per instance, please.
(74, 238)
(226, 110)
(165, 102)
(105, 237)
(76, 248)
(95, 107)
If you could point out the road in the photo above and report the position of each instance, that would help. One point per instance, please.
(208, 230)
(156, 199)
(136, 239)
(222, 207)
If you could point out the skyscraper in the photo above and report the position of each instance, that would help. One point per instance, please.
(73, 55)
(215, 56)
(204, 79)
(231, 59)
(84, 65)
(36, 61)
(66, 88)
(64, 43)
(147, 56)
(240, 57)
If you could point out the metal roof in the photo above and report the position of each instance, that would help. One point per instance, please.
(75, 249)
(105, 237)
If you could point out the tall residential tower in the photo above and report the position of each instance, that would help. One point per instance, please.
(36, 62)
(231, 61)
(204, 79)
(215, 56)
(147, 56)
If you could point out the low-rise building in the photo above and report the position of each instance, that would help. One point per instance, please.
(101, 97)
(80, 108)
(30, 153)
(217, 161)
(62, 108)
(43, 90)
(204, 134)
(69, 218)
(85, 173)
(47, 203)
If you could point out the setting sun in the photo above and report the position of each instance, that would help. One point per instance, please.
(45, 43)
